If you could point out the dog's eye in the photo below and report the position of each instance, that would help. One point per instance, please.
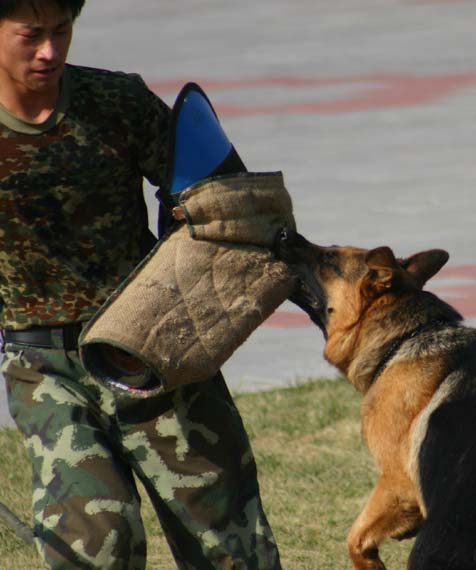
(330, 310)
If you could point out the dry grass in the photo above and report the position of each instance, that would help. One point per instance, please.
(314, 473)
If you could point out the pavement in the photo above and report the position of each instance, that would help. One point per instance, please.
(368, 108)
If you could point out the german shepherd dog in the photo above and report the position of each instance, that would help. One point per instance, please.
(410, 356)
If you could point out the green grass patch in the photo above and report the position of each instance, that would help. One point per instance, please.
(315, 474)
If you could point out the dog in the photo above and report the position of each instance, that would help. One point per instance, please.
(414, 362)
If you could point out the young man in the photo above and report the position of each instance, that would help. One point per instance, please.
(75, 144)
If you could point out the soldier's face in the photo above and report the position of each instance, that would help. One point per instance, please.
(34, 43)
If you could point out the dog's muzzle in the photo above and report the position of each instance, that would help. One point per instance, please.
(309, 296)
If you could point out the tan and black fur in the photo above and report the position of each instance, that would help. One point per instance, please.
(414, 362)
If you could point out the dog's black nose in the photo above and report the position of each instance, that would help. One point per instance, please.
(283, 234)
(282, 244)
(288, 245)
(288, 238)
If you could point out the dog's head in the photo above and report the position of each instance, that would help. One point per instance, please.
(338, 284)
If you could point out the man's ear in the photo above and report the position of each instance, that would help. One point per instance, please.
(422, 266)
(383, 269)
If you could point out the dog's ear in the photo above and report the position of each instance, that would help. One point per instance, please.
(422, 266)
(383, 269)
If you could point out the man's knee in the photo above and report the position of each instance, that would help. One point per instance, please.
(91, 534)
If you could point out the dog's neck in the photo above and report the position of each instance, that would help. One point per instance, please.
(398, 342)
(365, 350)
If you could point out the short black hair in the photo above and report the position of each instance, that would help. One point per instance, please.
(8, 7)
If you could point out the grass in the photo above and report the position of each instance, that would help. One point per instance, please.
(315, 474)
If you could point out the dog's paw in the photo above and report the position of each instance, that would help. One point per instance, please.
(367, 560)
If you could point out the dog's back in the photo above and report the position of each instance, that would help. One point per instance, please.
(447, 466)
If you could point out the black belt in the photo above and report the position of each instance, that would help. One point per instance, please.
(64, 337)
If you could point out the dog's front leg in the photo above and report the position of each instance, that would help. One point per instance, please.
(391, 510)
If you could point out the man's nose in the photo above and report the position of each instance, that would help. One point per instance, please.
(48, 50)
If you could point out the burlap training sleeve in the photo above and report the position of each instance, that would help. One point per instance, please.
(204, 289)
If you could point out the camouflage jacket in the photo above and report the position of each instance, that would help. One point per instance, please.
(73, 221)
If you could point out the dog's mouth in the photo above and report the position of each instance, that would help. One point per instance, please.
(314, 309)
(309, 296)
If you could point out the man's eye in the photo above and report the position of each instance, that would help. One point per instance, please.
(30, 35)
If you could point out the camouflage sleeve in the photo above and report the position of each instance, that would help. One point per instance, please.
(150, 131)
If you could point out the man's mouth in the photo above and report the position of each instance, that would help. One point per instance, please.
(46, 72)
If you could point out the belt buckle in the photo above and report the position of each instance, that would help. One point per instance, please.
(178, 213)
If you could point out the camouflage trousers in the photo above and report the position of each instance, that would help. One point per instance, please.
(88, 447)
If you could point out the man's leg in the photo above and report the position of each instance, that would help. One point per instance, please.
(85, 503)
(197, 465)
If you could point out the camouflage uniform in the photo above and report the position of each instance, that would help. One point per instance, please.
(73, 222)
(73, 225)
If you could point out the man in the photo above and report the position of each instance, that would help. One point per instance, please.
(75, 144)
